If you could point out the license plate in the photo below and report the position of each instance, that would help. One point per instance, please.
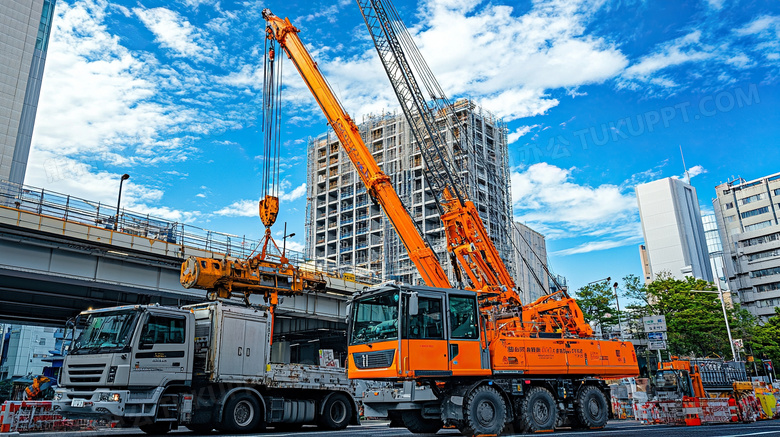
(78, 403)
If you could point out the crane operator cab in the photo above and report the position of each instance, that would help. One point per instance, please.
(404, 332)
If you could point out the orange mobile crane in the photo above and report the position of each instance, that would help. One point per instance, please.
(487, 359)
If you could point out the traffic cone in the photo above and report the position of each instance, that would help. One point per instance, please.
(733, 409)
(692, 411)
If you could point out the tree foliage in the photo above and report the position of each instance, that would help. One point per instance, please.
(596, 302)
(765, 339)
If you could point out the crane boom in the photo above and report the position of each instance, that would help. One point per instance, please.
(467, 237)
(376, 181)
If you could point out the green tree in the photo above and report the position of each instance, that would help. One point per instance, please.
(595, 301)
(694, 320)
(765, 339)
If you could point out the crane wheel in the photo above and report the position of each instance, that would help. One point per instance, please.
(538, 411)
(415, 423)
(484, 412)
(592, 408)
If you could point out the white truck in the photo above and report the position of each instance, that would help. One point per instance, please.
(202, 366)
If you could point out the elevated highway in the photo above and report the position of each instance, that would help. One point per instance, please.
(60, 255)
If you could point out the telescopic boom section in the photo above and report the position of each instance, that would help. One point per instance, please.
(377, 183)
(467, 236)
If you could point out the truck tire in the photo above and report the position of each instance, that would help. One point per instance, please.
(241, 414)
(592, 408)
(414, 422)
(538, 411)
(336, 413)
(484, 412)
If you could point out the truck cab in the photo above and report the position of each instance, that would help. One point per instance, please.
(203, 366)
(146, 348)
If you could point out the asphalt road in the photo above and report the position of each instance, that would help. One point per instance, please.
(380, 429)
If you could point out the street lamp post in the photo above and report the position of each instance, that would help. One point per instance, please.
(617, 302)
(119, 198)
(284, 240)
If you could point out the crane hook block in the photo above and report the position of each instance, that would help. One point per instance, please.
(269, 209)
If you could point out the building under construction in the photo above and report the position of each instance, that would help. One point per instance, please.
(344, 225)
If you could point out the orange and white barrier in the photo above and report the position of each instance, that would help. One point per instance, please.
(36, 416)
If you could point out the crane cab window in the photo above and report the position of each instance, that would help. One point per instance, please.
(163, 330)
(429, 321)
(463, 318)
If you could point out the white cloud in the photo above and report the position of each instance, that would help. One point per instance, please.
(547, 198)
(298, 192)
(679, 51)
(715, 4)
(519, 132)
(174, 32)
(593, 246)
(692, 172)
(241, 208)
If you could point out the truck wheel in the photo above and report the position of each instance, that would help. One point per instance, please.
(336, 413)
(241, 414)
(592, 408)
(484, 412)
(414, 422)
(538, 411)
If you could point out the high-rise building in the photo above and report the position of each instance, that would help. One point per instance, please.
(673, 231)
(530, 260)
(345, 226)
(24, 36)
(747, 215)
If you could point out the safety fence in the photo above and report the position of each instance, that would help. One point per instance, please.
(39, 416)
(702, 411)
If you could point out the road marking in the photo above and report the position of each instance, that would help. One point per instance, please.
(752, 433)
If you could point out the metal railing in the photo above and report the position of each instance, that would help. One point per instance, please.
(72, 209)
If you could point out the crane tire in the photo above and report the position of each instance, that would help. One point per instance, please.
(484, 412)
(538, 411)
(592, 408)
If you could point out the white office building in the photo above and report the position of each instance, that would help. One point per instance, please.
(747, 215)
(673, 230)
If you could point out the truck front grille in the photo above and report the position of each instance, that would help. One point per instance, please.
(85, 373)
(373, 360)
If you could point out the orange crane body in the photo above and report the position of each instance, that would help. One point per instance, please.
(455, 339)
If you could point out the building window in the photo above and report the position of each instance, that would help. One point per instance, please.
(759, 225)
(730, 218)
(764, 254)
(761, 240)
(730, 205)
(755, 212)
(765, 272)
(777, 192)
(42, 342)
(754, 198)
(768, 287)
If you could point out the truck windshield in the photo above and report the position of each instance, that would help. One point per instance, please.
(375, 318)
(106, 332)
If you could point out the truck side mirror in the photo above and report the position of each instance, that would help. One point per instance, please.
(414, 306)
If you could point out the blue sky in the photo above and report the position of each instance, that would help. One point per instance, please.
(597, 97)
